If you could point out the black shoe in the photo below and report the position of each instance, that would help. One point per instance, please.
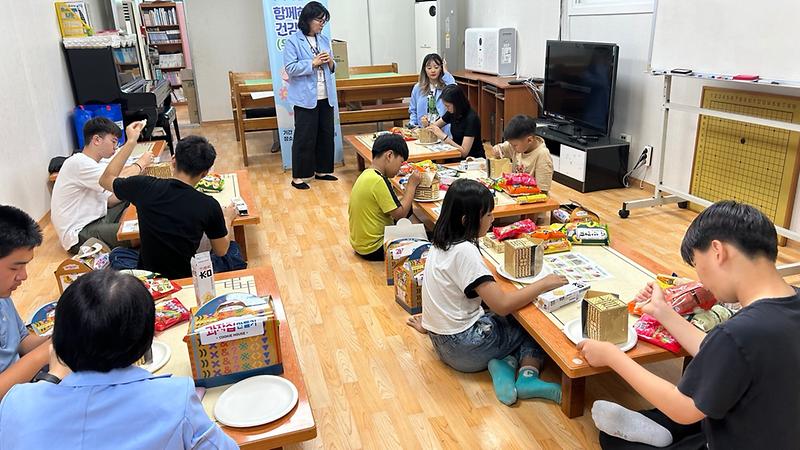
(300, 185)
(325, 177)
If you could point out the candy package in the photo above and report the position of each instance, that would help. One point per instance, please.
(585, 233)
(530, 198)
(212, 182)
(169, 313)
(650, 330)
(707, 320)
(686, 298)
(514, 230)
(160, 287)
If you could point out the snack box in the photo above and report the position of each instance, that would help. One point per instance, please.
(560, 297)
(233, 337)
(408, 281)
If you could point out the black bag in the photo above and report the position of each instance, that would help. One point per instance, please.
(56, 163)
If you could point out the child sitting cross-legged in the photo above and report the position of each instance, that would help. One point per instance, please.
(526, 150)
(456, 280)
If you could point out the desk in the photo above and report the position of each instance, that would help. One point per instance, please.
(504, 205)
(298, 425)
(416, 152)
(241, 187)
(156, 147)
(630, 272)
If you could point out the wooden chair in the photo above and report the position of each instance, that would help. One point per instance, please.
(242, 101)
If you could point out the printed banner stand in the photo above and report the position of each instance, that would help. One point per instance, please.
(280, 21)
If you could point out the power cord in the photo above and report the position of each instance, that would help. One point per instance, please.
(640, 163)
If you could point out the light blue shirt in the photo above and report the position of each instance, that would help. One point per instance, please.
(419, 102)
(123, 409)
(12, 332)
(302, 84)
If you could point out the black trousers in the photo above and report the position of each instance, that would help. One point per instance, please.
(312, 148)
(684, 437)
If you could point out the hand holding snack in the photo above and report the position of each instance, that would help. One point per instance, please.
(424, 121)
(414, 179)
(146, 159)
(657, 305)
(553, 281)
(437, 131)
(598, 353)
(317, 61)
(134, 130)
(230, 212)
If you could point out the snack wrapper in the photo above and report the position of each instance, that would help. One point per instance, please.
(170, 313)
(160, 287)
(686, 298)
(650, 330)
(585, 233)
(212, 182)
(514, 230)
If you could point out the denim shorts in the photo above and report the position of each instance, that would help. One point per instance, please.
(491, 337)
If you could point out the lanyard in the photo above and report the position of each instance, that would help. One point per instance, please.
(314, 48)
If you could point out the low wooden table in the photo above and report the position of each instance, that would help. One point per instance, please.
(156, 148)
(416, 152)
(630, 272)
(241, 188)
(299, 424)
(504, 206)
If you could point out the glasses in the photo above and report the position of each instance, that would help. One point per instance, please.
(321, 21)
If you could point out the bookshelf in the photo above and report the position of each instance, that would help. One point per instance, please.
(163, 29)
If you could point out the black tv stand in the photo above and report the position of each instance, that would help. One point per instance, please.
(587, 163)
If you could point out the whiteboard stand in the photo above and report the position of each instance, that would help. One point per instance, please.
(664, 195)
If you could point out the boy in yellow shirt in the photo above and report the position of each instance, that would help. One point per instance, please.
(373, 203)
(527, 152)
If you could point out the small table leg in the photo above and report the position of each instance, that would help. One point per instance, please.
(360, 162)
(241, 239)
(573, 391)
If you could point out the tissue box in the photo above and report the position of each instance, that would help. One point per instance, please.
(408, 281)
(605, 318)
(233, 337)
(559, 297)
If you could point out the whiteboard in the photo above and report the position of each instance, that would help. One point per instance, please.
(728, 37)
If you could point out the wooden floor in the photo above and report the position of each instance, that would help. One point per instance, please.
(372, 381)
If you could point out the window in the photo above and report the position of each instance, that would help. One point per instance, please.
(598, 7)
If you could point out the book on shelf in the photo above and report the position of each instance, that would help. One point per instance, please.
(177, 95)
(170, 60)
(159, 16)
(174, 78)
(157, 36)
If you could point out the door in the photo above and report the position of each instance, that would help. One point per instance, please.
(425, 29)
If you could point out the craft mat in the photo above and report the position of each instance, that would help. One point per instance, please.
(627, 279)
(178, 364)
(414, 149)
(229, 192)
(750, 163)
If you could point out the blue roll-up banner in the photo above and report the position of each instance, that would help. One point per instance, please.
(280, 21)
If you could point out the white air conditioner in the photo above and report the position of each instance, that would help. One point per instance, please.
(491, 50)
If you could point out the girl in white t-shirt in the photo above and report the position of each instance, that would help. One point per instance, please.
(456, 280)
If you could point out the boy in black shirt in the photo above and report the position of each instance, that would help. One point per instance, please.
(173, 215)
(743, 382)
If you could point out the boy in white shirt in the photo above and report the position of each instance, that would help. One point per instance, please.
(80, 208)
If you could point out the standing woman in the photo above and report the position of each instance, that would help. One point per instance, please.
(465, 125)
(308, 61)
(426, 105)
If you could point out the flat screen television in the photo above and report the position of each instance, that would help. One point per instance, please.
(579, 83)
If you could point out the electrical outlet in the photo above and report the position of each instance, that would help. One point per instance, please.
(626, 137)
(648, 161)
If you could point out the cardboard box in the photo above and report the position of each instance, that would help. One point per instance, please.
(408, 281)
(233, 337)
(560, 297)
(605, 318)
(399, 242)
(339, 49)
(203, 277)
(95, 258)
(496, 167)
(190, 92)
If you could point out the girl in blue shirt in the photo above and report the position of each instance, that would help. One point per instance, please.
(426, 94)
(94, 396)
(308, 61)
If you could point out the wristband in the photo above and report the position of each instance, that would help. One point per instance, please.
(141, 169)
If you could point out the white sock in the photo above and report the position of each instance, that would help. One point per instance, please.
(631, 426)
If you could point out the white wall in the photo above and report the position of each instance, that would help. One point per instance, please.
(37, 101)
(392, 34)
(536, 21)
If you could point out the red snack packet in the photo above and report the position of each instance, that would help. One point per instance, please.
(684, 298)
(514, 230)
(520, 179)
(650, 330)
(161, 287)
(169, 313)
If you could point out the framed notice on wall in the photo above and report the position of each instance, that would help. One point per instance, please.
(73, 19)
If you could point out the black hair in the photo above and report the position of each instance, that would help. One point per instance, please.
(390, 143)
(452, 93)
(17, 230)
(105, 320)
(312, 10)
(424, 82)
(738, 224)
(465, 203)
(99, 126)
(520, 126)
(194, 155)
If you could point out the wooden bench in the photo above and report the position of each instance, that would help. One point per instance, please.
(382, 96)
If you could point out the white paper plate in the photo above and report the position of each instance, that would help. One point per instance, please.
(526, 280)
(573, 331)
(431, 200)
(255, 401)
(161, 354)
